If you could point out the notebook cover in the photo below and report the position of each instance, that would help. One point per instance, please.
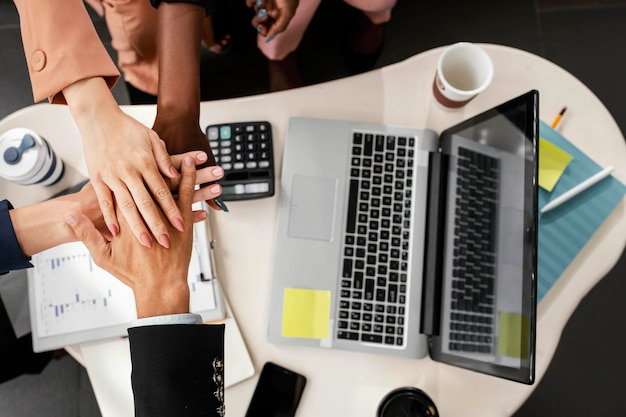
(564, 230)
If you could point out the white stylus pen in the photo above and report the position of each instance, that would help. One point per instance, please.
(574, 191)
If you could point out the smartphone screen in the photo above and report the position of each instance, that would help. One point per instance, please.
(277, 392)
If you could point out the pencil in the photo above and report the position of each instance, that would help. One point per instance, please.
(574, 191)
(558, 117)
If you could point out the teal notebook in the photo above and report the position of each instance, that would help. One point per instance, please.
(564, 230)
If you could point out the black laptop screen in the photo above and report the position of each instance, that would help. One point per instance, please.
(485, 212)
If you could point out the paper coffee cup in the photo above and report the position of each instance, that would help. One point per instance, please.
(26, 158)
(463, 70)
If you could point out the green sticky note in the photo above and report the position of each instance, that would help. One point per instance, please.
(306, 313)
(513, 334)
(552, 162)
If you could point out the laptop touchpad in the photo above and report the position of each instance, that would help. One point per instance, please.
(311, 214)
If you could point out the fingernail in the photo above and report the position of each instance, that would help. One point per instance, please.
(269, 38)
(178, 224)
(71, 220)
(114, 230)
(258, 4)
(174, 172)
(202, 215)
(221, 204)
(145, 240)
(164, 240)
(218, 172)
(187, 161)
(262, 14)
(215, 189)
(202, 157)
(258, 29)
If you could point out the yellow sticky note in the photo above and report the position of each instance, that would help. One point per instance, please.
(306, 313)
(513, 330)
(552, 163)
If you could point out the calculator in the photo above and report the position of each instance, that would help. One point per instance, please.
(244, 150)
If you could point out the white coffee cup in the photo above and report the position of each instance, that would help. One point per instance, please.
(27, 158)
(464, 69)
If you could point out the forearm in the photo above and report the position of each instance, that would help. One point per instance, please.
(179, 40)
(41, 226)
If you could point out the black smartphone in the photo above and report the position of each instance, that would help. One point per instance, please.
(277, 393)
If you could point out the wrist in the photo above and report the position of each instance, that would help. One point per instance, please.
(87, 98)
(162, 300)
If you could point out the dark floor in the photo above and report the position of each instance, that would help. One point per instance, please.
(585, 37)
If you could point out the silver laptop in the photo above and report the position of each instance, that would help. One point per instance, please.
(400, 242)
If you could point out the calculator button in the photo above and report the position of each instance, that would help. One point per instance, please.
(264, 164)
(251, 164)
(238, 165)
(225, 144)
(225, 132)
(250, 128)
(227, 166)
(226, 158)
(226, 151)
(213, 133)
(214, 143)
(240, 189)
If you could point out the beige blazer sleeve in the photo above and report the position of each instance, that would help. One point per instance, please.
(61, 47)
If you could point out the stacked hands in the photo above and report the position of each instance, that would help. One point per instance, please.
(157, 276)
(272, 16)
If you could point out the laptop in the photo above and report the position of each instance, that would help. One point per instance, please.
(397, 241)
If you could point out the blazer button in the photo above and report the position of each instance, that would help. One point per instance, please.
(38, 60)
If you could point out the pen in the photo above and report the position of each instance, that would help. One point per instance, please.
(558, 117)
(577, 189)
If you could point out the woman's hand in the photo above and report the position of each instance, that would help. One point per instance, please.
(272, 16)
(126, 162)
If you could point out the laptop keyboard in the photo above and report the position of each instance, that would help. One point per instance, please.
(472, 315)
(373, 294)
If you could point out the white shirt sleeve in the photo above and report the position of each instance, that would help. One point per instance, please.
(187, 318)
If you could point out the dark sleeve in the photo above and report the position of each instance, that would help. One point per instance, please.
(209, 5)
(11, 257)
(177, 370)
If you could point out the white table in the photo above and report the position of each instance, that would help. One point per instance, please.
(346, 383)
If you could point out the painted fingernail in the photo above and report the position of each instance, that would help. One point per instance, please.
(269, 38)
(114, 230)
(262, 14)
(178, 224)
(202, 215)
(258, 29)
(174, 172)
(202, 156)
(218, 172)
(164, 240)
(187, 161)
(215, 189)
(145, 240)
(259, 4)
(221, 204)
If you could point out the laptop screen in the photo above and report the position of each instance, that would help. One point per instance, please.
(483, 210)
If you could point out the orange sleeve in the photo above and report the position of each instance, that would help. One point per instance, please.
(61, 47)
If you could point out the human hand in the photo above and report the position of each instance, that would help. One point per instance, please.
(157, 276)
(182, 134)
(272, 16)
(125, 161)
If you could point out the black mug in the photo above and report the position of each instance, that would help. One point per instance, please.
(407, 402)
